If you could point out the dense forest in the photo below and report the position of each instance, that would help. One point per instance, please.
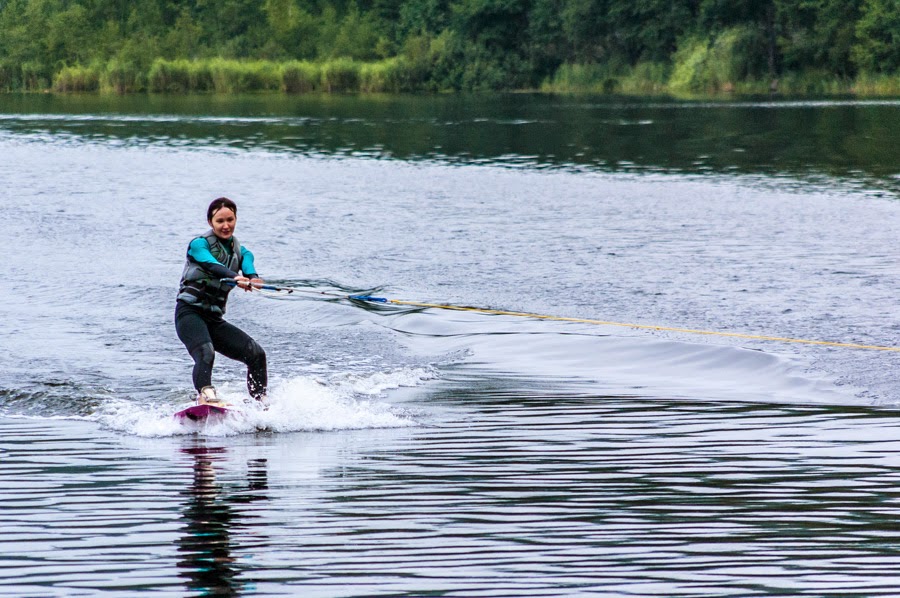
(689, 46)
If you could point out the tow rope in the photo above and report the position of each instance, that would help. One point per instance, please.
(521, 314)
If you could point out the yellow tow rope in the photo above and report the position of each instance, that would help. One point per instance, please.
(500, 312)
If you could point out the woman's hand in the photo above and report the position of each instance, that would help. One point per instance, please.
(248, 284)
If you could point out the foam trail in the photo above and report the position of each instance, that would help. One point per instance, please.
(302, 403)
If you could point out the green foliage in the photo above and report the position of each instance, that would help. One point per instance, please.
(736, 55)
(591, 78)
(643, 78)
(340, 75)
(217, 74)
(691, 71)
(423, 17)
(357, 36)
(878, 33)
(301, 46)
(646, 78)
(813, 82)
(301, 77)
(122, 76)
(180, 76)
(877, 85)
(77, 78)
(183, 39)
(818, 35)
(235, 76)
(383, 76)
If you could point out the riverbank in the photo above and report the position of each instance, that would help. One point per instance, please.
(652, 79)
(400, 74)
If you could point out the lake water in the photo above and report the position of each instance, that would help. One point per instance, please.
(411, 452)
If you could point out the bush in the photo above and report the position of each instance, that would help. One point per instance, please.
(877, 85)
(301, 77)
(383, 76)
(179, 76)
(646, 77)
(121, 76)
(811, 82)
(876, 48)
(77, 78)
(737, 54)
(168, 75)
(340, 75)
(234, 76)
(690, 72)
(8, 80)
(417, 61)
(260, 75)
(35, 75)
(582, 78)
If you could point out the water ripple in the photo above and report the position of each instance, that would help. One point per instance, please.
(546, 495)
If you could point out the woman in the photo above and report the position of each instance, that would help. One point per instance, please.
(200, 305)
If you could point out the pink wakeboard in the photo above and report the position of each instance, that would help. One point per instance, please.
(197, 413)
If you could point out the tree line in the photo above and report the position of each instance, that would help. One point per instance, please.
(440, 45)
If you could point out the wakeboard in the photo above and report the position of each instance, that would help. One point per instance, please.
(202, 413)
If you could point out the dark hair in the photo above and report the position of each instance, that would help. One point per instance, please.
(218, 204)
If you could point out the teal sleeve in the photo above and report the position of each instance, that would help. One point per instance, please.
(247, 265)
(199, 251)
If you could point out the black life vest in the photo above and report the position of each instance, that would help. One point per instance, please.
(201, 289)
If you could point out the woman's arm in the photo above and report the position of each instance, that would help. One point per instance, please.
(199, 251)
(247, 265)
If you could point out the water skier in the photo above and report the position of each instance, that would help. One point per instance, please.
(200, 305)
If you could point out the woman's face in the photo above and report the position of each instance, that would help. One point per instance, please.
(223, 223)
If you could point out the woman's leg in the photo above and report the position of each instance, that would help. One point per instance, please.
(234, 343)
(193, 332)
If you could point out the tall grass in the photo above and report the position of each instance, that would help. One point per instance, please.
(384, 76)
(218, 74)
(295, 76)
(179, 76)
(236, 76)
(77, 78)
(33, 75)
(589, 78)
(876, 85)
(340, 75)
(735, 58)
(301, 77)
(122, 76)
(646, 78)
(701, 68)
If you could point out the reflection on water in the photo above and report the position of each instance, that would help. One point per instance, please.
(213, 513)
(776, 138)
(507, 492)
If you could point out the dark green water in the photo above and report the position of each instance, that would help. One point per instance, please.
(809, 138)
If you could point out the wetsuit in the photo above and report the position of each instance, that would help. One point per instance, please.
(200, 307)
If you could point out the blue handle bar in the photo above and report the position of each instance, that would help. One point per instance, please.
(272, 287)
(368, 298)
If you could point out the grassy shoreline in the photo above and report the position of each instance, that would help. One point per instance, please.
(228, 76)
(657, 79)
(399, 75)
